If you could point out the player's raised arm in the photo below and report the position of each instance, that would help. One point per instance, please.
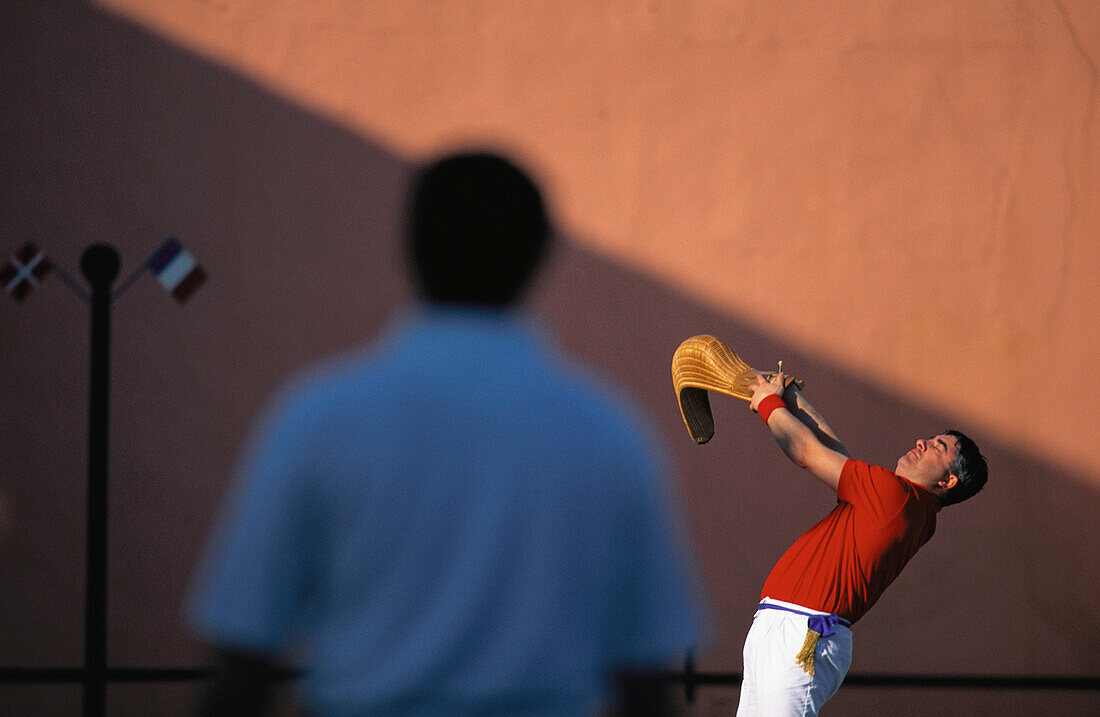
(800, 431)
(805, 412)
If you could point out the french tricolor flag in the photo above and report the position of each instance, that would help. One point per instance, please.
(176, 270)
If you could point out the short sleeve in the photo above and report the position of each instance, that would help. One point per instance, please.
(876, 492)
(256, 569)
(659, 615)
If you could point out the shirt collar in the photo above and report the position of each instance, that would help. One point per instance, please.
(499, 326)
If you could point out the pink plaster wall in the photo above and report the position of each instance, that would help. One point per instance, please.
(899, 200)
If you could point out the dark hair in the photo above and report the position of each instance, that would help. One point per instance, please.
(477, 229)
(969, 467)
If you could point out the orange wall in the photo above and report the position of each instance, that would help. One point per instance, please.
(918, 174)
(899, 200)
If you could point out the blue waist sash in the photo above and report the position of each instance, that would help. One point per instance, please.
(821, 624)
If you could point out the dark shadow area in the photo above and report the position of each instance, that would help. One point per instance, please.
(109, 133)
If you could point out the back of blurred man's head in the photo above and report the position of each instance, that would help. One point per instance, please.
(477, 230)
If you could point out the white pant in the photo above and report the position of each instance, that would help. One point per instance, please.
(774, 685)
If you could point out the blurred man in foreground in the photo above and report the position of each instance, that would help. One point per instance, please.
(456, 520)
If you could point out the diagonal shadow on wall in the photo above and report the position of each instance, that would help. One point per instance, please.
(112, 134)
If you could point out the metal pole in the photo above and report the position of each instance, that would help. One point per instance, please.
(99, 264)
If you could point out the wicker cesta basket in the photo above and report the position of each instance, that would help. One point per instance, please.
(704, 363)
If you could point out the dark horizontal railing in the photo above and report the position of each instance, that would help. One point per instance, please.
(690, 679)
(970, 682)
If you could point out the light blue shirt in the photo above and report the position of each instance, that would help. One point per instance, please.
(456, 521)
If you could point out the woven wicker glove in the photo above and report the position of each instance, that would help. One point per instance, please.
(704, 363)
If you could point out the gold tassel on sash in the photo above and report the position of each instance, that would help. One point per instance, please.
(805, 656)
(817, 626)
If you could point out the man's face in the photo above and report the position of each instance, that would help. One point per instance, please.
(927, 463)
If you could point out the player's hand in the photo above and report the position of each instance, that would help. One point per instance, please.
(765, 387)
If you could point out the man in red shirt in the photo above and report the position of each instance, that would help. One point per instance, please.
(799, 646)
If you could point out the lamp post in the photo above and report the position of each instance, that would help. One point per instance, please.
(99, 264)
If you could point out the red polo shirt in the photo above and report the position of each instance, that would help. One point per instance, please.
(844, 563)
